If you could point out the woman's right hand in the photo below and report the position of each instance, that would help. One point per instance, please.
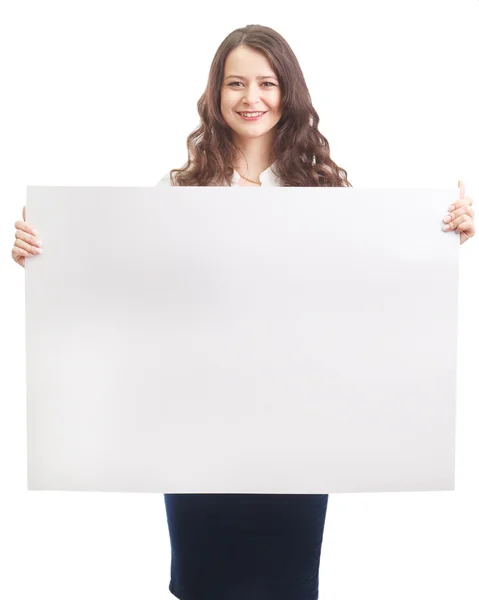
(27, 243)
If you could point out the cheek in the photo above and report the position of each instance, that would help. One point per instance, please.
(226, 104)
(277, 103)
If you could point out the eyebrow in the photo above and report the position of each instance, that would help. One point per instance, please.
(260, 77)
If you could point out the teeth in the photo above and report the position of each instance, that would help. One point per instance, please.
(257, 114)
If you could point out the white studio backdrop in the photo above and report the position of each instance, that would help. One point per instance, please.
(102, 93)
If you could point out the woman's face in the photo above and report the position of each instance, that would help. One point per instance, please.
(249, 84)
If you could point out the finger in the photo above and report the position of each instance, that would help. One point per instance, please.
(460, 220)
(17, 252)
(25, 227)
(26, 246)
(461, 202)
(467, 227)
(466, 209)
(462, 189)
(25, 250)
(27, 237)
(452, 224)
(17, 258)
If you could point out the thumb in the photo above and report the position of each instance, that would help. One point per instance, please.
(24, 214)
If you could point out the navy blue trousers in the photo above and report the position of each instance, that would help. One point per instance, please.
(245, 546)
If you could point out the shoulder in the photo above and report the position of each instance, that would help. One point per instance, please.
(165, 180)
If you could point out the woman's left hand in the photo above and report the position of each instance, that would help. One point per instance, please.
(461, 216)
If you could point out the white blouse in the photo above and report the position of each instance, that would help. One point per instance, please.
(267, 178)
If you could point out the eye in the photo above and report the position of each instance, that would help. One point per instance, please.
(233, 83)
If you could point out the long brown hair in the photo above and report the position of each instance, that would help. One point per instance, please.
(300, 152)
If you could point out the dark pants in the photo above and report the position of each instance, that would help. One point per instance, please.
(245, 546)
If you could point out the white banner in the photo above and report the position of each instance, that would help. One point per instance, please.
(241, 340)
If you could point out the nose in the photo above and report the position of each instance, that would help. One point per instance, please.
(251, 95)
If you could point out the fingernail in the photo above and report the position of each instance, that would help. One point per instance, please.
(35, 232)
(452, 207)
(446, 227)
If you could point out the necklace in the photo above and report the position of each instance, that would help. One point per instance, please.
(250, 180)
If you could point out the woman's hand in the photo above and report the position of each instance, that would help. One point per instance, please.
(461, 216)
(26, 242)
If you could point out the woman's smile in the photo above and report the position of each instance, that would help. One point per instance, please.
(252, 116)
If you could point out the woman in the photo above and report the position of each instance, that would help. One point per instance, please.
(251, 546)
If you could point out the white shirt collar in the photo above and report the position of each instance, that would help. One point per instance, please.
(267, 178)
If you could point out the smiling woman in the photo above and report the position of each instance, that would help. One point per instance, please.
(256, 114)
(258, 127)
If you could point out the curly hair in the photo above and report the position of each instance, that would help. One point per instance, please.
(300, 152)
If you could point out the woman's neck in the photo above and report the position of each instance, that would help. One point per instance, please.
(254, 156)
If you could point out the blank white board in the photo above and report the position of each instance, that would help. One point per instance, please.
(241, 340)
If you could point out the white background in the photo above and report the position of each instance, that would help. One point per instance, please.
(104, 93)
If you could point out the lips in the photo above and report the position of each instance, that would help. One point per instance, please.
(251, 112)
